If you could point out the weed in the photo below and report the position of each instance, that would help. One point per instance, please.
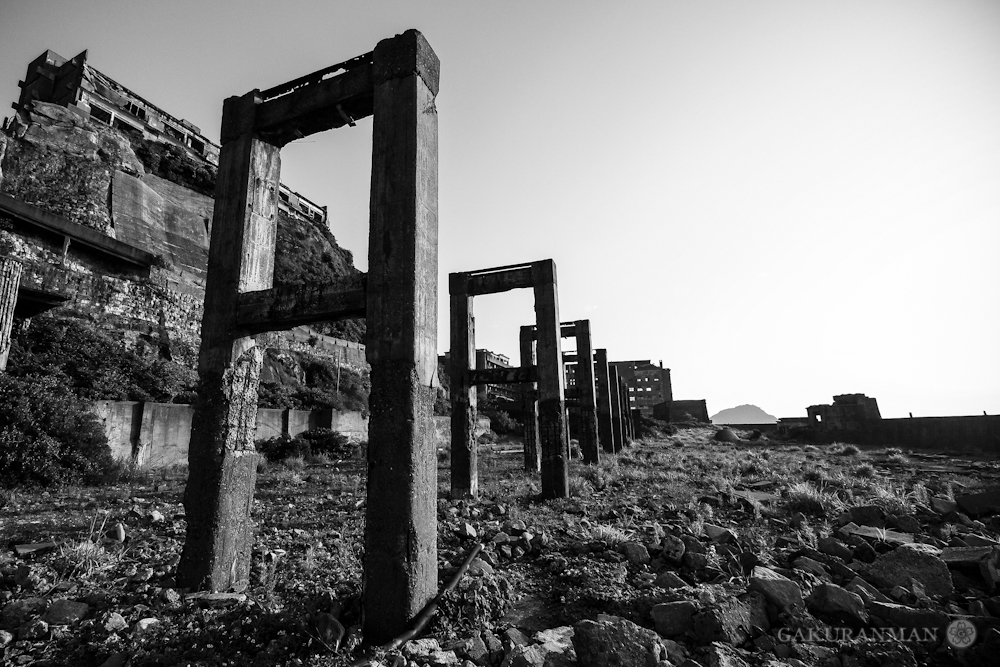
(806, 498)
(847, 450)
(898, 457)
(892, 499)
(865, 470)
(608, 534)
(890, 451)
(295, 463)
(580, 487)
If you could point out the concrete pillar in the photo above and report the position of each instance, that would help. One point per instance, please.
(400, 564)
(222, 461)
(10, 278)
(589, 437)
(617, 424)
(532, 454)
(464, 396)
(626, 412)
(604, 422)
(551, 389)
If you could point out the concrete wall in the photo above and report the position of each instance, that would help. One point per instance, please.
(155, 435)
(442, 430)
(976, 434)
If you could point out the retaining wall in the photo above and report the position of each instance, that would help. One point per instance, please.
(155, 435)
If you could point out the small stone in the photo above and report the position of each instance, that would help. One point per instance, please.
(943, 505)
(114, 622)
(636, 553)
(156, 516)
(142, 574)
(15, 613)
(34, 548)
(170, 597)
(5, 638)
(515, 527)
(807, 564)
(524, 656)
(480, 568)
(901, 616)
(732, 621)
(144, 624)
(216, 600)
(66, 612)
(834, 602)
(673, 549)
(116, 532)
(467, 531)
(834, 547)
(33, 630)
(868, 515)
(500, 538)
(669, 580)
(672, 619)
(780, 591)
(719, 535)
(859, 586)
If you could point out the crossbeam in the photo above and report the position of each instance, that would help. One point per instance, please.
(514, 375)
(282, 308)
(566, 330)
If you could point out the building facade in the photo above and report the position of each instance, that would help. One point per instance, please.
(648, 384)
(73, 83)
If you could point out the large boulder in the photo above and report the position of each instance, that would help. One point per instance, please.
(779, 590)
(912, 561)
(833, 602)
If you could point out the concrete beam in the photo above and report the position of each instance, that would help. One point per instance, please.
(514, 375)
(494, 281)
(282, 308)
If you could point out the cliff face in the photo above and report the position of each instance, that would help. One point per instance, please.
(90, 174)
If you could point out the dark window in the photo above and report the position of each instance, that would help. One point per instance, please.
(101, 115)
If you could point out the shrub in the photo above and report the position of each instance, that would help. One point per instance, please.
(501, 422)
(315, 442)
(48, 436)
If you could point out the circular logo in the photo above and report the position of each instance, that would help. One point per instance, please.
(961, 634)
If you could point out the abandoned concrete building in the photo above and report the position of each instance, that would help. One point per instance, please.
(77, 85)
(648, 384)
(847, 412)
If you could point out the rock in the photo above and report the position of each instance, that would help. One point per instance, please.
(669, 579)
(865, 552)
(142, 574)
(985, 559)
(216, 600)
(726, 435)
(868, 515)
(718, 534)
(834, 602)
(867, 592)
(524, 656)
(780, 591)
(636, 553)
(979, 504)
(473, 648)
(943, 505)
(807, 564)
(66, 612)
(113, 622)
(901, 616)
(896, 567)
(619, 642)
(732, 621)
(116, 533)
(5, 638)
(720, 655)
(156, 516)
(15, 613)
(119, 659)
(908, 524)
(673, 549)
(513, 637)
(556, 641)
(480, 568)
(831, 546)
(34, 548)
(881, 534)
(672, 619)
(144, 624)
(33, 630)
(467, 531)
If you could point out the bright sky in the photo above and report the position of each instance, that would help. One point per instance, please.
(782, 200)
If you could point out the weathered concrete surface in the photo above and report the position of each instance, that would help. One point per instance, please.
(529, 392)
(464, 397)
(552, 428)
(10, 278)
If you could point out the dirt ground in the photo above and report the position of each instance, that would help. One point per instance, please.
(545, 564)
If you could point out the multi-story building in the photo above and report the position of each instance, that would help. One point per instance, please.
(78, 86)
(648, 384)
(502, 393)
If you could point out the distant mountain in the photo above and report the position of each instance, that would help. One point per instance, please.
(743, 414)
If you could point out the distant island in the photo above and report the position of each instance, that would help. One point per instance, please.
(743, 414)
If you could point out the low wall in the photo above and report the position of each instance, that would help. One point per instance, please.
(975, 434)
(155, 435)
(442, 430)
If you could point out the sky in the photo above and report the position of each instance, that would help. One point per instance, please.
(781, 200)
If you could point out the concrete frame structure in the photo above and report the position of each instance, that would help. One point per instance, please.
(546, 372)
(583, 395)
(396, 84)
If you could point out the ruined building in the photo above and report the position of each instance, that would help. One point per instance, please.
(106, 205)
(648, 384)
(849, 412)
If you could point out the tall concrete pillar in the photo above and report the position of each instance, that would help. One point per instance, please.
(551, 388)
(10, 278)
(589, 436)
(626, 412)
(222, 461)
(400, 564)
(617, 422)
(532, 453)
(464, 396)
(604, 423)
